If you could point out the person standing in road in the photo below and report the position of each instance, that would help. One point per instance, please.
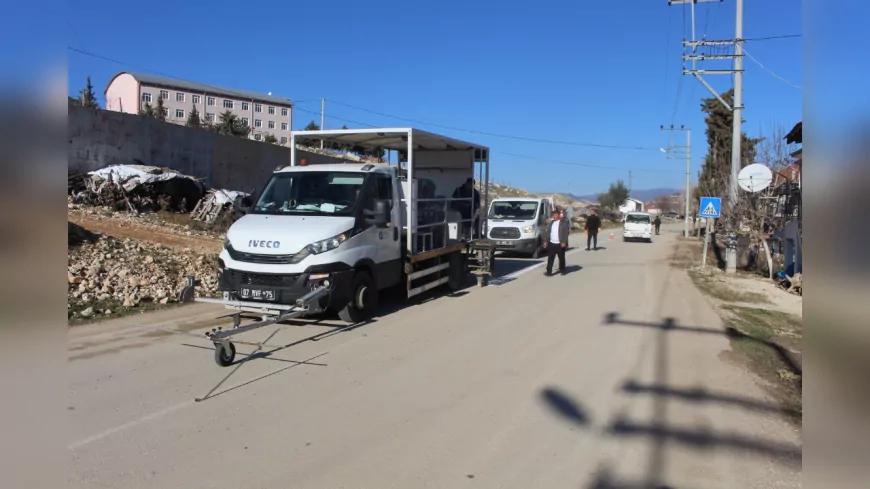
(658, 224)
(593, 224)
(555, 238)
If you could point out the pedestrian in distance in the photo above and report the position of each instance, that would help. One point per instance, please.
(555, 238)
(593, 225)
(657, 223)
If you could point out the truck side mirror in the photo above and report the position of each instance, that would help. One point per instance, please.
(242, 204)
(380, 216)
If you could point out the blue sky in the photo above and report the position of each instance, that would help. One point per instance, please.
(602, 73)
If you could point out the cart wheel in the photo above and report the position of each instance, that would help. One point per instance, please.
(480, 280)
(224, 354)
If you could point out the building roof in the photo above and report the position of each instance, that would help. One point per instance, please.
(189, 86)
(795, 135)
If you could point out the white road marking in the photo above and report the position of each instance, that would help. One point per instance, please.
(125, 426)
(512, 276)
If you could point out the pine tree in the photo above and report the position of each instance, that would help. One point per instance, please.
(193, 119)
(88, 98)
(270, 138)
(160, 111)
(148, 111)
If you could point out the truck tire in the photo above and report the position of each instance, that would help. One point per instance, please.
(363, 301)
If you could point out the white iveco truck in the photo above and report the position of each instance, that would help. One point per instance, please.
(329, 236)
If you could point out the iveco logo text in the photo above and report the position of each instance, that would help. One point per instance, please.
(264, 244)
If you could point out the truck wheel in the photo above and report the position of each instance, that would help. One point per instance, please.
(363, 301)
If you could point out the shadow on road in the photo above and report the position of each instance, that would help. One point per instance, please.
(658, 432)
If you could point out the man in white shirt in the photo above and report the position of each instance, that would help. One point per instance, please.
(555, 237)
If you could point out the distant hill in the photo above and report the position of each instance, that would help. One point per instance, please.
(644, 195)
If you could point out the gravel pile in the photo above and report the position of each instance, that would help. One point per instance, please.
(111, 276)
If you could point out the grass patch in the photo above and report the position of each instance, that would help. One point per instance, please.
(722, 291)
(768, 343)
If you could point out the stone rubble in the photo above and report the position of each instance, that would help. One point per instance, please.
(111, 274)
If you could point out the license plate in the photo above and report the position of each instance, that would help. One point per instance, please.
(257, 294)
(503, 243)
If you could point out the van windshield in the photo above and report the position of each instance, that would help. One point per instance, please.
(637, 219)
(518, 210)
(313, 192)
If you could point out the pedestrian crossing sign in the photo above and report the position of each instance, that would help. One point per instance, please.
(710, 207)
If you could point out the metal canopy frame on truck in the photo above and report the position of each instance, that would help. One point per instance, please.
(412, 142)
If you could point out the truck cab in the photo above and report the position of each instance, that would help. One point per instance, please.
(515, 223)
(316, 226)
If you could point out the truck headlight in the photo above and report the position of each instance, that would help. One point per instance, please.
(325, 245)
(529, 229)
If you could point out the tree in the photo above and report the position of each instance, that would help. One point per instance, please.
(231, 125)
(312, 143)
(615, 196)
(715, 175)
(160, 111)
(74, 100)
(270, 138)
(148, 111)
(193, 119)
(88, 98)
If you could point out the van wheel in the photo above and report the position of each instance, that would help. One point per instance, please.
(363, 302)
(537, 253)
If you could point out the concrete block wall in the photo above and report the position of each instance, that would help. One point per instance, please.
(99, 138)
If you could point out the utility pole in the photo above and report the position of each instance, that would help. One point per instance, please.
(322, 113)
(688, 155)
(737, 110)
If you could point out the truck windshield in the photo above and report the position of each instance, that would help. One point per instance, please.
(518, 210)
(637, 218)
(313, 192)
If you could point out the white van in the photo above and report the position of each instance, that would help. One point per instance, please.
(515, 223)
(637, 225)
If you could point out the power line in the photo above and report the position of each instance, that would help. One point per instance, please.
(571, 163)
(768, 38)
(334, 117)
(770, 71)
(485, 133)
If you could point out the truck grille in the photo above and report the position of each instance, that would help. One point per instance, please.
(504, 233)
(266, 259)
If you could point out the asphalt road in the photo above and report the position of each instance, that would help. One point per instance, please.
(614, 376)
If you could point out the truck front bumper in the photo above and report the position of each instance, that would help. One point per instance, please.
(285, 289)
(526, 245)
(637, 235)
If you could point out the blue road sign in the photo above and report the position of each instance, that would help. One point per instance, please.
(710, 207)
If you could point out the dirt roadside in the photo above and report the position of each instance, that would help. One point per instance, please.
(764, 324)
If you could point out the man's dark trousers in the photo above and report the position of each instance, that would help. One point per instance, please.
(554, 250)
(592, 239)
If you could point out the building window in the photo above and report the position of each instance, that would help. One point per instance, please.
(258, 123)
(258, 108)
(283, 126)
(210, 101)
(246, 106)
(164, 94)
(257, 137)
(283, 111)
(283, 140)
(271, 110)
(197, 99)
(271, 124)
(209, 116)
(229, 104)
(179, 97)
(179, 113)
(146, 97)
(246, 121)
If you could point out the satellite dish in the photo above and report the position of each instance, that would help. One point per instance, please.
(755, 178)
